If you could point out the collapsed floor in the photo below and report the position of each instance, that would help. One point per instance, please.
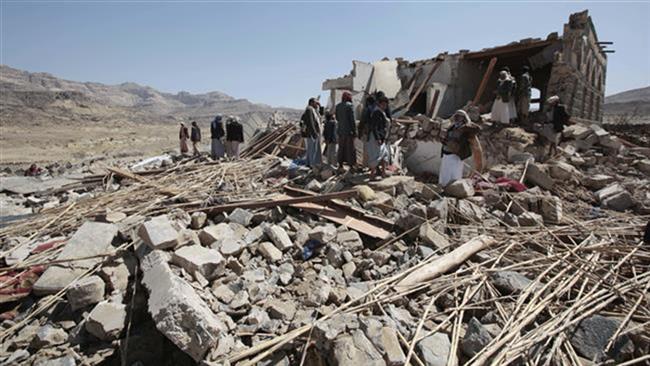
(262, 261)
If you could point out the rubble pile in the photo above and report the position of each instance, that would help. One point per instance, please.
(264, 261)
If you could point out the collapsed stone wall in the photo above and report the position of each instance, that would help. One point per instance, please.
(578, 74)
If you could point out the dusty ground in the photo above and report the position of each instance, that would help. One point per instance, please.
(42, 144)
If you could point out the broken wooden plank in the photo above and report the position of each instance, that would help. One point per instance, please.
(353, 211)
(279, 200)
(341, 217)
(484, 81)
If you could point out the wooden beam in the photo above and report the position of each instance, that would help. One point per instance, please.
(508, 49)
(417, 93)
(484, 81)
(447, 262)
(342, 218)
(434, 101)
(353, 211)
(280, 200)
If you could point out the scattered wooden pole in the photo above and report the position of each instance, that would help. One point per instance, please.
(446, 262)
(486, 77)
(437, 64)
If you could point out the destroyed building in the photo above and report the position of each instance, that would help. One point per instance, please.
(424, 93)
(572, 66)
(264, 261)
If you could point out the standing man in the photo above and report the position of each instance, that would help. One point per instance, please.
(460, 143)
(503, 109)
(311, 121)
(183, 135)
(363, 125)
(346, 132)
(523, 95)
(329, 135)
(195, 137)
(217, 133)
(377, 133)
(558, 116)
(234, 136)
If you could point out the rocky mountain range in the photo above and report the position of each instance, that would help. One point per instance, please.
(38, 98)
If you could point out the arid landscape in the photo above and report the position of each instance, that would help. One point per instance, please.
(442, 222)
(46, 119)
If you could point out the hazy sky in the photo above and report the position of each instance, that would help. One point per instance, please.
(279, 53)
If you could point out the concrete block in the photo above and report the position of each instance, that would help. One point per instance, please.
(198, 259)
(159, 233)
(106, 320)
(178, 311)
(86, 291)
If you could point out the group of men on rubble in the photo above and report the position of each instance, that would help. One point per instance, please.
(512, 99)
(339, 132)
(460, 141)
(234, 136)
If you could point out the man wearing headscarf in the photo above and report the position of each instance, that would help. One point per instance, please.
(364, 122)
(346, 132)
(503, 109)
(195, 137)
(234, 136)
(217, 133)
(183, 135)
(523, 95)
(557, 117)
(460, 142)
(311, 125)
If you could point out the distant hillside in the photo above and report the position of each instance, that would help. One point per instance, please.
(37, 98)
(634, 95)
(628, 106)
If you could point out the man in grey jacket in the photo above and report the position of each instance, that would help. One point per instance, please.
(347, 131)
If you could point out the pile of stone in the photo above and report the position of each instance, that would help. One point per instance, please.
(553, 273)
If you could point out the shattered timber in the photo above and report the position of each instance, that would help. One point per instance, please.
(261, 261)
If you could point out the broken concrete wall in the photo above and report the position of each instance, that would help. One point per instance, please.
(385, 78)
(358, 79)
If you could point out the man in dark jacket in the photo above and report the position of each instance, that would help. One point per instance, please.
(558, 116)
(195, 137)
(217, 133)
(329, 135)
(346, 132)
(523, 95)
(363, 126)
(234, 136)
(378, 128)
(311, 127)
